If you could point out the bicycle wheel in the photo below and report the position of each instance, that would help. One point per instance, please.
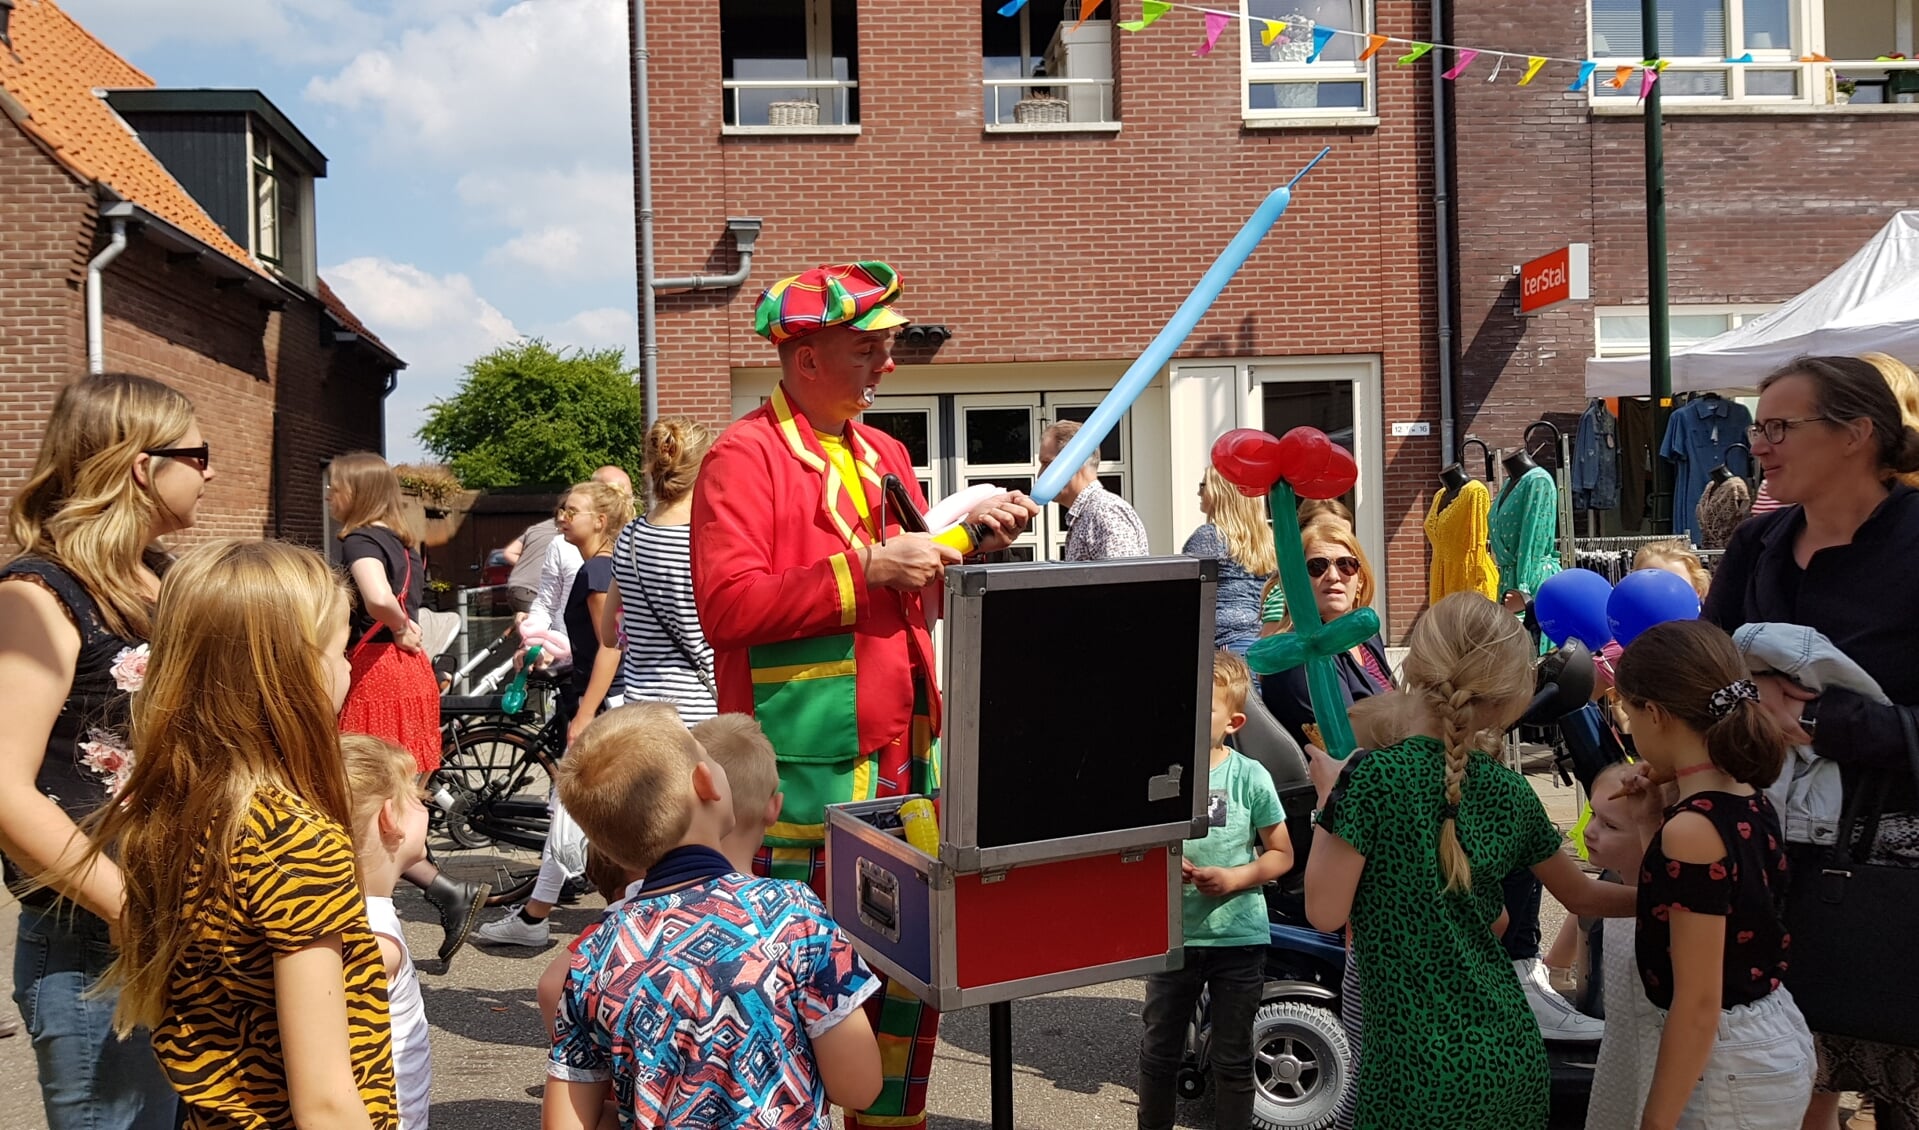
(477, 765)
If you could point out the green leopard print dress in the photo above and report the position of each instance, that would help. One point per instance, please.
(1450, 1041)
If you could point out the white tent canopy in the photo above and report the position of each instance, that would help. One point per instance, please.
(1870, 304)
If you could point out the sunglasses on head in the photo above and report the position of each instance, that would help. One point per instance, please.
(192, 454)
(1348, 566)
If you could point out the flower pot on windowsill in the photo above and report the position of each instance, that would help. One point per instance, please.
(1841, 97)
(793, 114)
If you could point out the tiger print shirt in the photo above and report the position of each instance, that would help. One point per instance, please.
(293, 883)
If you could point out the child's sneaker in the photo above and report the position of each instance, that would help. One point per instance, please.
(1558, 1020)
(514, 930)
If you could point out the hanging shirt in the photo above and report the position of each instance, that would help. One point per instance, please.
(1458, 531)
(1697, 438)
(1595, 469)
(1525, 528)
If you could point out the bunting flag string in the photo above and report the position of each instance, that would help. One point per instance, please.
(1462, 58)
(1273, 31)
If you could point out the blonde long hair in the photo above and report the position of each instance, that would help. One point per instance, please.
(82, 508)
(237, 699)
(1469, 675)
(674, 447)
(372, 492)
(1241, 522)
(1905, 389)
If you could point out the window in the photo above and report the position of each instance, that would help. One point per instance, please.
(281, 204)
(1278, 82)
(1626, 331)
(789, 65)
(1789, 51)
(1046, 70)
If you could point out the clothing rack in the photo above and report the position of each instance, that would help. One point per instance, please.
(1612, 557)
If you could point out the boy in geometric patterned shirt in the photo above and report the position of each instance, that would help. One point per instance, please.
(711, 999)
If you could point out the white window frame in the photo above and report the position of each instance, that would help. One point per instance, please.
(1816, 80)
(819, 83)
(1736, 314)
(1253, 74)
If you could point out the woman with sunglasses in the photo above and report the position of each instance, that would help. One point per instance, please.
(1833, 441)
(122, 465)
(1342, 581)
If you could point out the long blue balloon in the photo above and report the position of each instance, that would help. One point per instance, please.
(1137, 376)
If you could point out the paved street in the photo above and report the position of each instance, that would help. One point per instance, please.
(1075, 1051)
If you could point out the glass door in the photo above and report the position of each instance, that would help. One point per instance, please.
(997, 441)
(1342, 400)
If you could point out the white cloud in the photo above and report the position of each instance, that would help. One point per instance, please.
(539, 78)
(599, 327)
(436, 323)
(574, 224)
(289, 31)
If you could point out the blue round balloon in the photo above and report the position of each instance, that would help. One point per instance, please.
(1572, 605)
(1646, 597)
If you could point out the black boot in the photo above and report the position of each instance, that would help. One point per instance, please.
(459, 904)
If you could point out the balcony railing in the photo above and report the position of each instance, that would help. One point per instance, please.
(1058, 103)
(1781, 80)
(789, 104)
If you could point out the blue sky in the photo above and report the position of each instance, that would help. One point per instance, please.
(479, 183)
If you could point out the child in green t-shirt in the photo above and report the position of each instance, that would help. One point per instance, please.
(1246, 847)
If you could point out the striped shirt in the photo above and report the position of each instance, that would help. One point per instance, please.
(653, 566)
(1765, 503)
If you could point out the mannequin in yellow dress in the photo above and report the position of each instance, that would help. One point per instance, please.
(1458, 525)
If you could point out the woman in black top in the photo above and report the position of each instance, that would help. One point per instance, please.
(591, 519)
(395, 693)
(122, 464)
(1830, 437)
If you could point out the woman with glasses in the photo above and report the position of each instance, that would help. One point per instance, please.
(395, 694)
(122, 465)
(1342, 581)
(1834, 442)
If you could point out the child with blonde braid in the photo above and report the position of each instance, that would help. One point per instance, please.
(1412, 841)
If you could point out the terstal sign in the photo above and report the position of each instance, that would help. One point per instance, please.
(1557, 276)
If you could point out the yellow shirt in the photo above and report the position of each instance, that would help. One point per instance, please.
(841, 456)
(1458, 531)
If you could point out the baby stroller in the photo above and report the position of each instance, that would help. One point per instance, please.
(1302, 1058)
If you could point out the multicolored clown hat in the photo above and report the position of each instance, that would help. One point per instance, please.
(848, 294)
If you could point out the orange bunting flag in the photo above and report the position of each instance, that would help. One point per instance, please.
(1533, 63)
(1270, 31)
(1373, 44)
(1086, 10)
(1619, 77)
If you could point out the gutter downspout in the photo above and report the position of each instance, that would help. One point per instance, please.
(96, 343)
(643, 176)
(1443, 247)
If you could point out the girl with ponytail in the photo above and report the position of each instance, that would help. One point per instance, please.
(1734, 1049)
(1412, 843)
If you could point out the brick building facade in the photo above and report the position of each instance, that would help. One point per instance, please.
(1764, 195)
(282, 375)
(1054, 253)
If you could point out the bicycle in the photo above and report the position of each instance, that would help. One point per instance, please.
(488, 760)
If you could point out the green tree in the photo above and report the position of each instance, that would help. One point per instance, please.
(526, 415)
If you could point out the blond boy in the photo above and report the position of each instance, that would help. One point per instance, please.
(741, 748)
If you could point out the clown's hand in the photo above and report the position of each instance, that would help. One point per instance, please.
(1002, 519)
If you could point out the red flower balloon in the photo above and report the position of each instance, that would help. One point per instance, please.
(1249, 459)
(1334, 479)
(1303, 453)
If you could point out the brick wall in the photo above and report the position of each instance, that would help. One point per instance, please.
(1758, 208)
(1057, 247)
(235, 358)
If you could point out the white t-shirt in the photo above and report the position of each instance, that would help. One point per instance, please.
(412, 1059)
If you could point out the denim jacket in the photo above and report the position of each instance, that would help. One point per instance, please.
(1595, 469)
(1808, 794)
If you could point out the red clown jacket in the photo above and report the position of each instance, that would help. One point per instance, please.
(826, 664)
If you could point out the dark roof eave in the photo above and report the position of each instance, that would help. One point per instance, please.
(215, 101)
(211, 260)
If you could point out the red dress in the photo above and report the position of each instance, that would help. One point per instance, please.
(395, 694)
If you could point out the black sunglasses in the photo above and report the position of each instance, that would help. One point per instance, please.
(196, 454)
(1348, 566)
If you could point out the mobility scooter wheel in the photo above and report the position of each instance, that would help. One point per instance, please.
(1190, 1082)
(1301, 1065)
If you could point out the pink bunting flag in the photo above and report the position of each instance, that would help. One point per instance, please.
(1645, 83)
(1462, 58)
(1215, 25)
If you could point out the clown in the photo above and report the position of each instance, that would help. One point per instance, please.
(818, 614)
